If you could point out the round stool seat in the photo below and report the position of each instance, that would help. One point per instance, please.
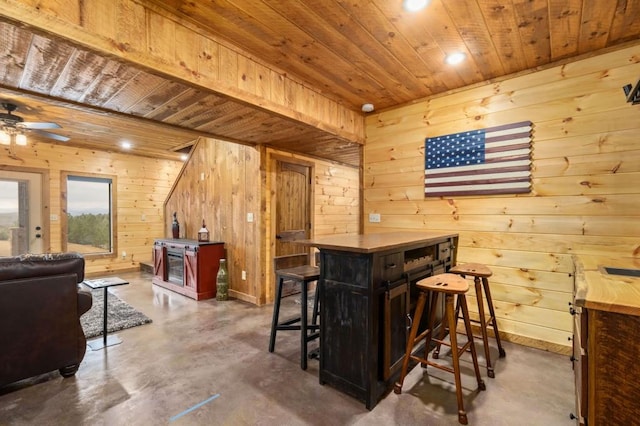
(472, 269)
(446, 283)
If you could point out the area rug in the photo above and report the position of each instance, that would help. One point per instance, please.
(120, 315)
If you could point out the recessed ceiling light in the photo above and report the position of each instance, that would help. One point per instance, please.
(125, 145)
(455, 58)
(415, 5)
(367, 107)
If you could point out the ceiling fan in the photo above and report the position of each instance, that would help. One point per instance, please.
(14, 127)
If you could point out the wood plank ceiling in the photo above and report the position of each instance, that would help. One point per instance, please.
(354, 51)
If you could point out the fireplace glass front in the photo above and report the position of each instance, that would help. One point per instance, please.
(175, 266)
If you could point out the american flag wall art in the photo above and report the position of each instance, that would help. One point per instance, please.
(496, 160)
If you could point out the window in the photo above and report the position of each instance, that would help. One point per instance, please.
(89, 219)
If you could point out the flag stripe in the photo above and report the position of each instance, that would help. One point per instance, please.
(478, 180)
(505, 172)
(480, 168)
(483, 185)
(495, 160)
(484, 191)
(507, 137)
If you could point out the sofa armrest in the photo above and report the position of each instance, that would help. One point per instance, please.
(85, 301)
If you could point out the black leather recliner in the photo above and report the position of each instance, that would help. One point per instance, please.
(40, 308)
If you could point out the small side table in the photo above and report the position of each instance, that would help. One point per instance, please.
(105, 283)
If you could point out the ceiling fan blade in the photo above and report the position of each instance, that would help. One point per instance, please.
(51, 135)
(35, 125)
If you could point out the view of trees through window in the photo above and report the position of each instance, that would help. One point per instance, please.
(89, 214)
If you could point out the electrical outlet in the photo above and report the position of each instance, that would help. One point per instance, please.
(244, 275)
(374, 217)
(124, 254)
(249, 217)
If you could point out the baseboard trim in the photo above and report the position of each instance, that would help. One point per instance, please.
(242, 296)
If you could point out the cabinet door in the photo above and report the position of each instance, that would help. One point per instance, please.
(191, 269)
(159, 269)
(345, 349)
(396, 327)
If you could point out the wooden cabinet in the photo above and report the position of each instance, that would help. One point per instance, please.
(606, 343)
(367, 290)
(606, 370)
(188, 267)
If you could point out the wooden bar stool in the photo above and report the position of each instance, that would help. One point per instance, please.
(480, 274)
(450, 286)
(303, 275)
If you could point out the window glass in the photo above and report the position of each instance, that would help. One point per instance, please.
(8, 214)
(89, 215)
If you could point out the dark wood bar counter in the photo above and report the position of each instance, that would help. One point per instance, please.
(366, 300)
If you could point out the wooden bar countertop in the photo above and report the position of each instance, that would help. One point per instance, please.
(595, 289)
(371, 243)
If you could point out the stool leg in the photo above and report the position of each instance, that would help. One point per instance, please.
(492, 320)
(316, 310)
(483, 326)
(430, 324)
(276, 315)
(474, 354)
(397, 388)
(443, 333)
(449, 312)
(303, 326)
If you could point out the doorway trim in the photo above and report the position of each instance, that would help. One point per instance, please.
(273, 158)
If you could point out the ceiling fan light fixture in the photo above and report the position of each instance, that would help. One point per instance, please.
(455, 58)
(414, 5)
(21, 139)
(5, 138)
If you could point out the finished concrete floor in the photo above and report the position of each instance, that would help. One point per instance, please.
(206, 363)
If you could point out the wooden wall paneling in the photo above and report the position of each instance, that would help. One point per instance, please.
(588, 205)
(550, 318)
(253, 235)
(530, 334)
(134, 231)
(236, 166)
(589, 185)
(394, 194)
(609, 142)
(533, 279)
(585, 189)
(614, 162)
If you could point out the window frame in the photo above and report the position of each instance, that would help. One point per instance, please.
(112, 210)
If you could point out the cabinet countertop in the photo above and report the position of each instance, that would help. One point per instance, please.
(596, 289)
(370, 243)
(186, 241)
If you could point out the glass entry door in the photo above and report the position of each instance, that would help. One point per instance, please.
(21, 219)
